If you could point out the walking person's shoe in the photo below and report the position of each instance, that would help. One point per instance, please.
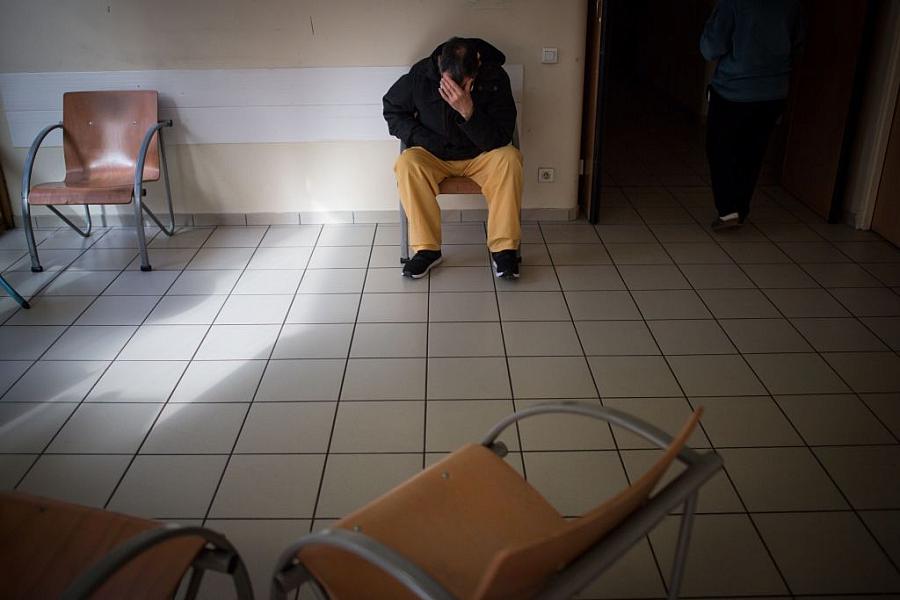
(729, 221)
(423, 261)
(506, 264)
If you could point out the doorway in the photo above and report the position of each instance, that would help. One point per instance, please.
(651, 107)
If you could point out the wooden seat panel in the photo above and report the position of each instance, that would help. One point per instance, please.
(459, 185)
(451, 519)
(477, 527)
(63, 193)
(45, 545)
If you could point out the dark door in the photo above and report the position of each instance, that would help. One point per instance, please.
(822, 91)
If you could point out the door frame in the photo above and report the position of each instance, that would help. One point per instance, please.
(591, 175)
(869, 163)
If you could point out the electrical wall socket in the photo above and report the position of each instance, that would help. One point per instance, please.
(546, 175)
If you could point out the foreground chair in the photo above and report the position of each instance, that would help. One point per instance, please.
(470, 527)
(451, 185)
(51, 549)
(112, 142)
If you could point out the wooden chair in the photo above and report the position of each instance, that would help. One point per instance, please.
(451, 185)
(112, 143)
(52, 549)
(470, 527)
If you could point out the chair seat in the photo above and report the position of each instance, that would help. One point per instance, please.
(45, 545)
(472, 501)
(63, 193)
(459, 185)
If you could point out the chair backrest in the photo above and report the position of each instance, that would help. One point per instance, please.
(102, 134)
(46, 544)
(520, 572)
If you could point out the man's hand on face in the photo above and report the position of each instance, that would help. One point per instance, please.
(459, 97)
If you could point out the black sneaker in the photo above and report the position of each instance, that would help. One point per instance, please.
(419, 265)
(727, 222)
(506, 264)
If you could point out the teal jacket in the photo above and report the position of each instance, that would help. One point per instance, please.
(755, 43)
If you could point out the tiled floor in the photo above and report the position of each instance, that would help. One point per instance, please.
(267, 380)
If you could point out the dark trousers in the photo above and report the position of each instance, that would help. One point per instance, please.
(737, 135)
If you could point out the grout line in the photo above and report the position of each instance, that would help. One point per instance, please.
(512, 393)
(68, 328)
(703, 427)
(146, 436)
(262, 374)
(612, 435)
(337, 405)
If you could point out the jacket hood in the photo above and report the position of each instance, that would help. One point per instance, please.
(489, 53)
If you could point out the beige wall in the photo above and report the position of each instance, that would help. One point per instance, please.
(91, 35)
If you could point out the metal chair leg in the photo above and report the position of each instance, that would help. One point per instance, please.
(170, 230)
(29, 236)
(137, 194)
(87, 217)
(13, 293)
(404, 236)
(26, 189)
(139, 224)
(193, 587)
(681, 548)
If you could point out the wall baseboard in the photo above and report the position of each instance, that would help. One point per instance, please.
(318, 217)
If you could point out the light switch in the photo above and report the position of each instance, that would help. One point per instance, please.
(550, 56)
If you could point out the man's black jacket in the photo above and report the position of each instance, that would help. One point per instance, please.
(416, 113)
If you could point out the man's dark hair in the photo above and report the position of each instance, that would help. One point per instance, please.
(460, 58)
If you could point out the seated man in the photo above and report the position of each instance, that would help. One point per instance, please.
(454, 111)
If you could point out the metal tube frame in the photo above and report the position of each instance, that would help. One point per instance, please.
(683, 490)
(87, 217)
(137, 194)
(221, 557)
(290, 574)
(13, 293)
(26, 188)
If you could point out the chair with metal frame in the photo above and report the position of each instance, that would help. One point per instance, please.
(451, 185)
(471, 527)
(112, 144)
(53, 549)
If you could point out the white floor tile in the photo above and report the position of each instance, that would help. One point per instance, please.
(118, 310)
(164, 342)
(90, 342)
(228, 342)
(137, 381)
(56, 381)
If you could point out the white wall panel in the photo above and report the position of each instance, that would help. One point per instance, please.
(226, 106)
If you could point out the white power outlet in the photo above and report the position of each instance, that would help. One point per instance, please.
(546, 175)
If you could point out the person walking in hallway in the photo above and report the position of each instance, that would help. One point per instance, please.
(455, 114)
(755, 43)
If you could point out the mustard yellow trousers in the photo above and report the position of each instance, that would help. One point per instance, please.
(498, 172)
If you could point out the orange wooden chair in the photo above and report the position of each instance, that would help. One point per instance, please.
(470, 527)
(112, 143)
(52, 549)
